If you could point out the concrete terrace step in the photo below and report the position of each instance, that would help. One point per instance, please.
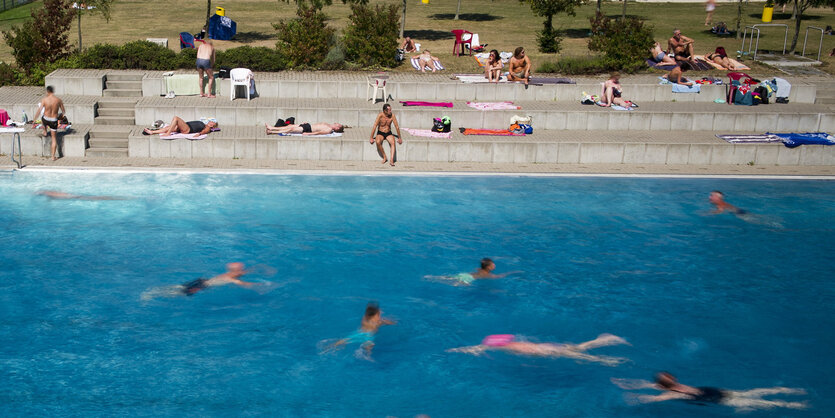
(125, 85)
(121, 93)
(99, 134)
(117, 103)
(107, 152)
(109, 143)
(125, 76)
(546, 115)
(114, 120)
(544, 146)
(70, 144)
(124, 112)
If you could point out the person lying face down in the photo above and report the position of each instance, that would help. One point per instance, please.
(320, 128)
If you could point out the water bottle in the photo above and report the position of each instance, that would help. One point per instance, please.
(25, 118)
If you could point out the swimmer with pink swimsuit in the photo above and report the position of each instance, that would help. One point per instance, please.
(511, 344)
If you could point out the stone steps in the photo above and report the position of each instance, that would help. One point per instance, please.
(114, 120)
(107, 152)
(123, 112)
(121, 93)
(125, 85)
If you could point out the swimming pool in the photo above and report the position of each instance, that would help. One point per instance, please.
(714, 299)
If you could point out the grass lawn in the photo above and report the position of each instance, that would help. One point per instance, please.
(502, 24)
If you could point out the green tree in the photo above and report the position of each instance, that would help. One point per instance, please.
(44, 38)
(101, 7)
(371, 37)
(305, 40)
(740, 7)
(547, 38)
(624, 42)
(801, 6)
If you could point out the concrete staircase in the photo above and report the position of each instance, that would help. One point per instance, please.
(108, 141)
(123, 85)
(825, 95)
(116, 112)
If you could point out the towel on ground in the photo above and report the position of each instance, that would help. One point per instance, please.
(182, 136)
(4, 117)
(697, 66)
(429, 104)
(682, 88)
(11, 130)
(750, 139)
(552, 80)
(793, 139)
(493, 105)
(482, 57)
(616, 107)
(182, 84)
(428, 133)
(658, 66)
(61, 127)
(416, 64)
(330, 135)
(737, 65)
(492, 132)
(477, 78)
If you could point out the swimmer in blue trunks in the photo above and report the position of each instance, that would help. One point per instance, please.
(484, 272)
(514, 345)
(371, 323)
(742, 400)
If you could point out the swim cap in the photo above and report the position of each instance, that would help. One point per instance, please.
(497, 340)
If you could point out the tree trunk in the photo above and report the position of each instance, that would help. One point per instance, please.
(79, 29)
(548, 28)
(598, 5)
(623, 13)
(797, 20)
(738, 17)
(403, 20)
(458, 10)
(208, 15)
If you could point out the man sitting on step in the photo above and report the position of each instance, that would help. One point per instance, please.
(321, 128)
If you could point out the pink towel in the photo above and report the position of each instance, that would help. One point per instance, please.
(4, 117)
(183, 136)
(493, 105)
(432, 104)
(429, 133)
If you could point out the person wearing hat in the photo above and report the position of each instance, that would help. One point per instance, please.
(381, 131)
(680, 46)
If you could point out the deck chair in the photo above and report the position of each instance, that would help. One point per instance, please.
(186, 40)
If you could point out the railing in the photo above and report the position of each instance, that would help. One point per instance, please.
(820, 45)
(757, 28)
(19, 160)
(11, 4)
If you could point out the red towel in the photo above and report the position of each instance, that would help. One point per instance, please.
(433, 104)
(496, 132)
(4, 117)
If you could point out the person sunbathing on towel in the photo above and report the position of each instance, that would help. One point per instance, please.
(178, 125)
(612, 92)
(676, 75)
(519, 67)
(720, 57)
(661, 57)
(493, 68)
(426, 59)
(320, 128)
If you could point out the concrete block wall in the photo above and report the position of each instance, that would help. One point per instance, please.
(486, 151)
(87, 85)
(31, 144)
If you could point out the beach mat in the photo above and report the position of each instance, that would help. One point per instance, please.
(750, 139)
(552, 80)
(698, 66)
(183, 136)
(330, 135)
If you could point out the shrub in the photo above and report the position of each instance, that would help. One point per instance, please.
(255, 58)
(8, 75)
(576, 66)
(186, 58)
(371, 38)
(304, 41)
(549, 40)
(625, 42)
(44, 38)
(144, 55)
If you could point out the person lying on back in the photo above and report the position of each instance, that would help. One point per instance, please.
(321, 128)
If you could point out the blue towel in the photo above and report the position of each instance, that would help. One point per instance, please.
(792, 140)
(681, 88)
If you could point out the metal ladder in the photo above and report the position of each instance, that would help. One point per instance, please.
(19, 160)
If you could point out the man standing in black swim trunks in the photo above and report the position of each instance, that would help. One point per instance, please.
(51, 106)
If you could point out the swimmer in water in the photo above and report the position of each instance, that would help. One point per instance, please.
(511, 344)
(718, 199)
(232, 276)
(484, 272)
(371, 323)
(742, 400)
(54, 194)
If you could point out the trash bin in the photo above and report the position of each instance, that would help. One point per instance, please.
(220, 11)
(768, 12)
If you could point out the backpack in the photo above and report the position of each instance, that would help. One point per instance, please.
(516, 129)
(400, 55)
(223, 72)
(762, 91)
(442, 124)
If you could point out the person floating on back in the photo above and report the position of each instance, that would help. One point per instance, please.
(742, 400)
(513, 345)
(371, 323)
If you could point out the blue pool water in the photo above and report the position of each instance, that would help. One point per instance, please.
(714, 299)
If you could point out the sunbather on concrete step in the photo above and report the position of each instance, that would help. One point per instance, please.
(320, 128)
(178, 125)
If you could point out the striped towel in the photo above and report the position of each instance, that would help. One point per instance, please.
(416, 64)
(428, 133)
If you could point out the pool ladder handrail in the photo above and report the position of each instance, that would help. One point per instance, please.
(820, 45)
(757, 28)
(19, 160)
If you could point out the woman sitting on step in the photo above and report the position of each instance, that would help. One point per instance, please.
(178, 125)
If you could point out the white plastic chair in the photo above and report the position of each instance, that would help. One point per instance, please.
(240, 77)
(378, 83)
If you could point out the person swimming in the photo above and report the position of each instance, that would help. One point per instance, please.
(485, 271)
(717, 198)
(372, 320)
(742, 400)
(515, 345)
(232, 276)
(56, 195)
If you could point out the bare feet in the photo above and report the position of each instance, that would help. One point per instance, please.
(202, 94)
(148, 131)
(392, 163)
(385, 160)
(211, 96)
(54, 159)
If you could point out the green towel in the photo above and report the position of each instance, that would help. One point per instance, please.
(185, 84)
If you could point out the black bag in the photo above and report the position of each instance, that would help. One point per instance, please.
(442, 124)
(400, 55)
(763, 91)
(281, 122)
(223, 72)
